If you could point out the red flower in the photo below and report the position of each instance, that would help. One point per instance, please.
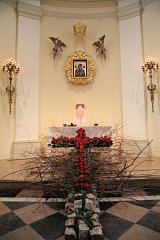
(81, 164)
(76, 179)
(75, 165)
(68, 206)
(72, 139)
(86, 185)
(81, 176)
(81, 151)
(96, 138)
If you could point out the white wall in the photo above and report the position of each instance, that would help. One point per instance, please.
(27, 127)
(57, 96)
(7, 50)
(132, 78)
(151, 37)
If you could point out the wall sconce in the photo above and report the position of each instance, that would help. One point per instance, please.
(151, 65)
(9, 66)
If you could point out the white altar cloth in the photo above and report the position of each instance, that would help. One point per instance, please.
(95, 131)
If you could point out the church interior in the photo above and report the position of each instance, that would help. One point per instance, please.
(85, 67)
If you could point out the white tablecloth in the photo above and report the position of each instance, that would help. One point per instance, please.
(96, 131)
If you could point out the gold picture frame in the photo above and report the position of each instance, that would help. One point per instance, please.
(80, 68)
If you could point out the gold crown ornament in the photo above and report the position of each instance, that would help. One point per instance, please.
(79, 30)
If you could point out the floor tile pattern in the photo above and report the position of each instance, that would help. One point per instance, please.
(50, 227)
(9, 222)
(114, 227)
(131, 220)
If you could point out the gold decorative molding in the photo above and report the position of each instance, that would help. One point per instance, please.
(80, 68)
(79, 30)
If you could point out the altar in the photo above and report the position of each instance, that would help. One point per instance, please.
(93, 131)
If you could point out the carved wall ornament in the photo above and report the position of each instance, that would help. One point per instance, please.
(58, 44)
(80, 68)
(79, 30)
(100, 47)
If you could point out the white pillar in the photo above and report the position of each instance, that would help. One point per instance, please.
(131, 73)
(27, 89)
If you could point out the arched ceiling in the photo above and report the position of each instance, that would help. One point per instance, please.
(79, 8)
(80, 3)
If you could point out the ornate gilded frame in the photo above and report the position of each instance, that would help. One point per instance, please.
(87, 64)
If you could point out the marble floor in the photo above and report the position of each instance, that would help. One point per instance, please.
(30, 219)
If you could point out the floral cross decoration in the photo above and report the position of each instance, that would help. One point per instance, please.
(81, 167)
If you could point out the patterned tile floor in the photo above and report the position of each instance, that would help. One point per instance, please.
(132, 220)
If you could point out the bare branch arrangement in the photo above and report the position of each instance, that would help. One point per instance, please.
(115, 169)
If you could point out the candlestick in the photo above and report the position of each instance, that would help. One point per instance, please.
(151, 66)
(9, 67)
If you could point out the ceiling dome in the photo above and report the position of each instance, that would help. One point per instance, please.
(80, 3)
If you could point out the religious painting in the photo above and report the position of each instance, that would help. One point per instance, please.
(80, 68)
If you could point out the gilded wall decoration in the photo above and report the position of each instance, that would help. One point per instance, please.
(80, 68)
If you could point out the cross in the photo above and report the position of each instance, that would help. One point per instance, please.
(81, 167)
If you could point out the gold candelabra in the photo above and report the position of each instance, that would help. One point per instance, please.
(151, 66)
(9, 66)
